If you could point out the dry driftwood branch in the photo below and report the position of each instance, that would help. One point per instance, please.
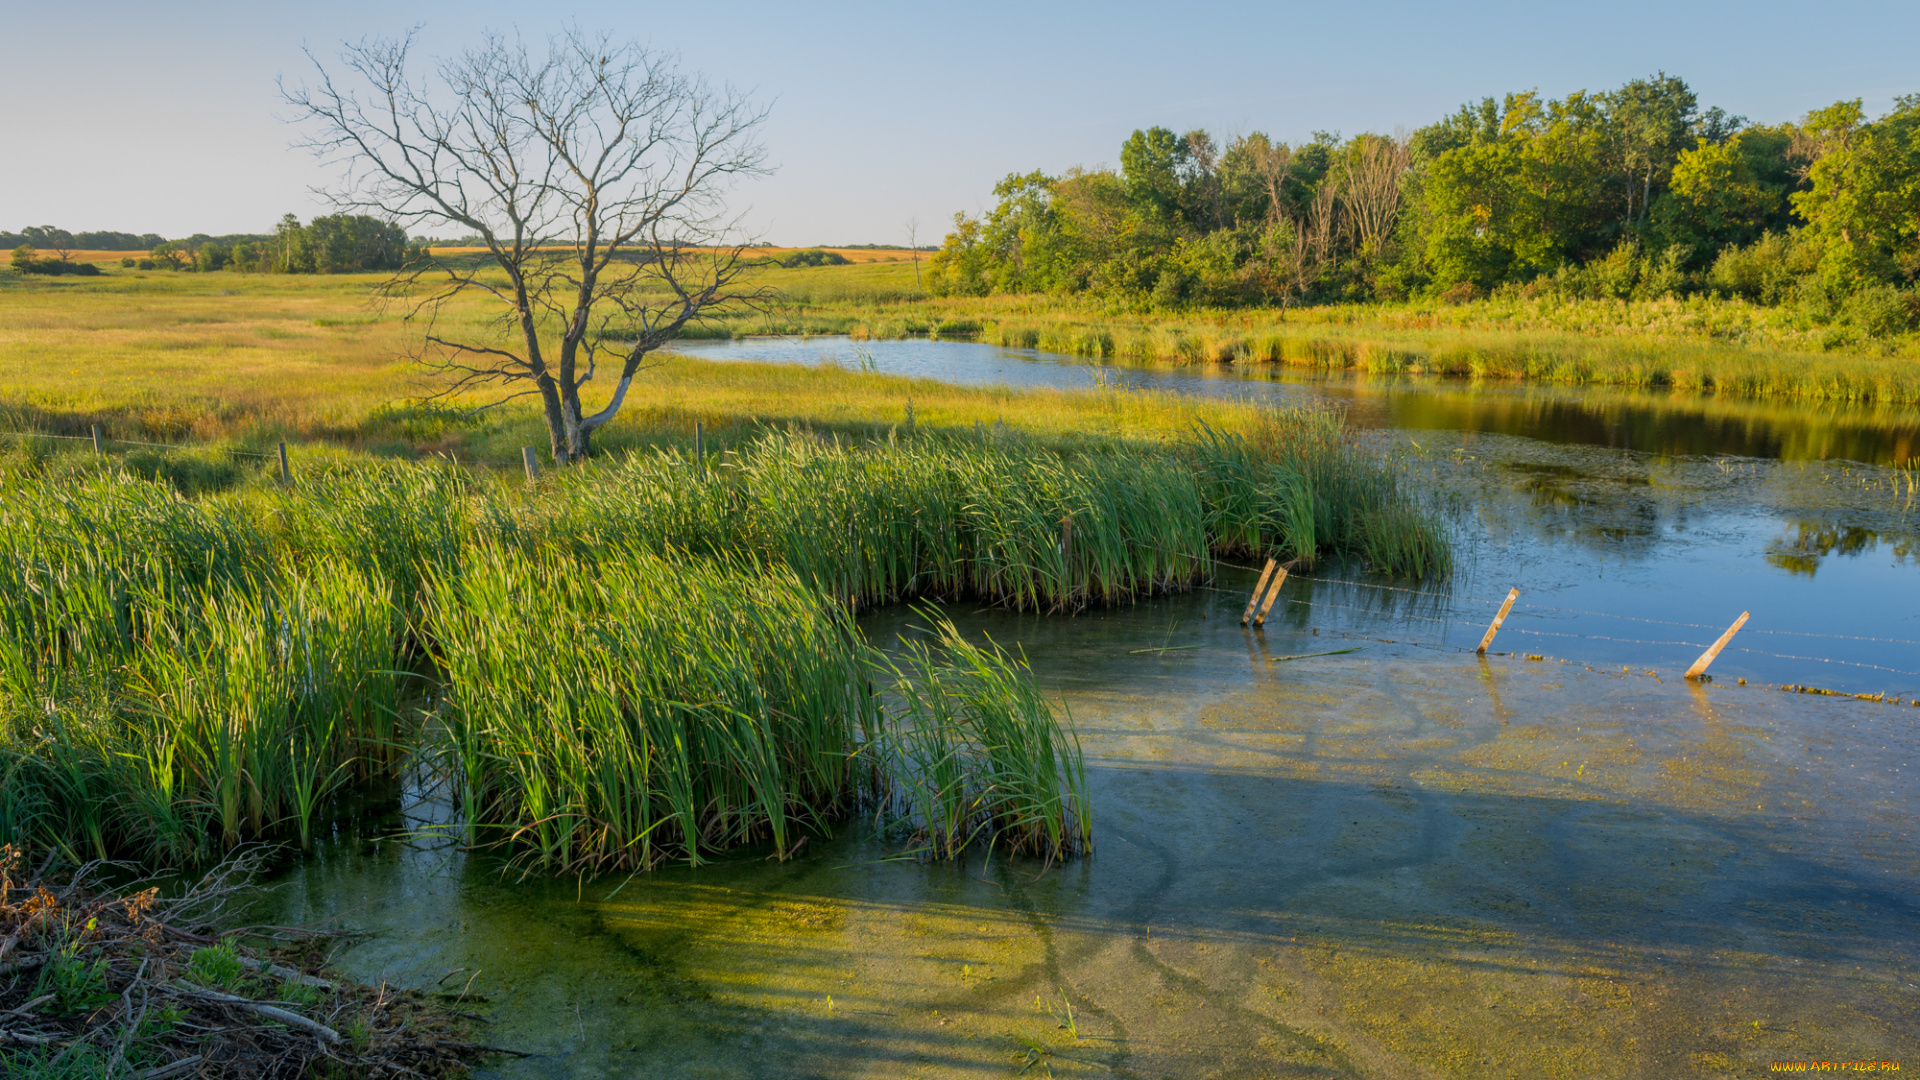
(22, 965)
(166, 1072)
(271, 1012)
(285, 973)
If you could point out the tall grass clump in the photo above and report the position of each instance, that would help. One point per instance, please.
(396, 523)
(88, 572)
(247, 711)
(610, 714)
(1298, 487)
(970, 749)
(951, 515)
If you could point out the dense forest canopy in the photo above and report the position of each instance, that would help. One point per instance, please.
(1636, 192)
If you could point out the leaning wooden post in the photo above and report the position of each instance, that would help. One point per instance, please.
(1699, 667)
(1259, 590)
(97, 452)
(286, 473)
(1273, 593)
(532, 463)
(1485, 642)
(699, 447)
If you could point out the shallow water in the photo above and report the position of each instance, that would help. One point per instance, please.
(1401, 861)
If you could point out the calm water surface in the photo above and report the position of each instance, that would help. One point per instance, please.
(1405, 861)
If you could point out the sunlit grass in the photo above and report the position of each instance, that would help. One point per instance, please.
(645, 657)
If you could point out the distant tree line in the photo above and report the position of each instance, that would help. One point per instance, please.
(1633, 193)
(48, 238)
(337, 244)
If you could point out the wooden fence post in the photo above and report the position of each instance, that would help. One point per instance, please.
(1259, 590)
(1512, 595)
(1699, 667)
(532, 463)
(97, 452)
(1273, 593)
(286, 472)
(699, 446)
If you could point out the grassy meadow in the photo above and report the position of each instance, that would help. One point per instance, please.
(242, 361)
(651, 657)
(245, 360)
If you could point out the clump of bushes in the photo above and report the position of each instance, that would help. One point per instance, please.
(813, 257)
(27, 260)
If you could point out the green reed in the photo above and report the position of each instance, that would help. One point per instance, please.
(971, 750)
(608, 714)
(642, 659)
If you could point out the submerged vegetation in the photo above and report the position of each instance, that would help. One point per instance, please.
(648, 658)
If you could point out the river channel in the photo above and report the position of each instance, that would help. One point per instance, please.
(1407, 860)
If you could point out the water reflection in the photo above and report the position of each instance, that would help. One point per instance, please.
(1809, 542)
(1662, 422)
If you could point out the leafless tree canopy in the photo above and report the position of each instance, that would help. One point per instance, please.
(1371, 173)
(593, 174)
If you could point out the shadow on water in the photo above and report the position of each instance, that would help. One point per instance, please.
(1386, 863)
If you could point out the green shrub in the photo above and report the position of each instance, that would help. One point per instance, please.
(1880, 310)
(217, 967)
(814, 257)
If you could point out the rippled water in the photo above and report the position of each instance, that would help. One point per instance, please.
(1400, 861)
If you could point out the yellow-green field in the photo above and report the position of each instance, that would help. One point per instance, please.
(248, 359)
(245, 360)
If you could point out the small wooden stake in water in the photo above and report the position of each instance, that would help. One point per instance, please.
(96, 440)
(286, 473)
(1485, 642)
(1699, 667)
(1258, 591)
(1273, 593)
(532, 463)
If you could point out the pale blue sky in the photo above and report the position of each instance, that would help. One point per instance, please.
(163, 117)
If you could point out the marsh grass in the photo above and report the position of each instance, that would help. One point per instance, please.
(971, 750)
(608, 715)
(647, 658)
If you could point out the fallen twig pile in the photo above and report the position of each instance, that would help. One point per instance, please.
(130, 985)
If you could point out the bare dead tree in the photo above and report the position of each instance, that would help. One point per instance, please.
(1316, 235)
(593, 175)
(1371, 170)
(913, 245)
(1274, 161)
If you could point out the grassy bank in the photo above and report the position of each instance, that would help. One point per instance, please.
(644, 659)
(1701, 343)
(247, 360)
(241, 362)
